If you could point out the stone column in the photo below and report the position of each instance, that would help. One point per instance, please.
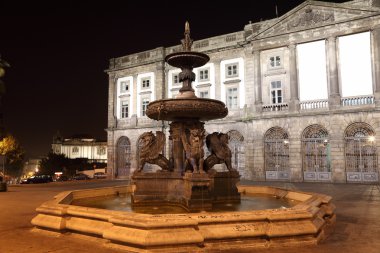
(294, 97)
(249, 68)
(257, 81)
(375, 59)
(218, 85)
(112, 82)
(332, 63)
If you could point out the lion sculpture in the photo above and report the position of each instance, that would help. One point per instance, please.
(193, 146)
(217, 144)
(150, 150)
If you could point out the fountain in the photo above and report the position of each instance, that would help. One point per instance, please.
(188, 183)
(190, 180)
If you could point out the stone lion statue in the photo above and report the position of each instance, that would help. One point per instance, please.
(217, 144)
(150, 150)
(193, 146)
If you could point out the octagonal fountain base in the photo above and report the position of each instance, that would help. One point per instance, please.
(308, 222)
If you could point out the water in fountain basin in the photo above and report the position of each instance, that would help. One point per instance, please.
(123, 203)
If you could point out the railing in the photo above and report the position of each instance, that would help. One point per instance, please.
(314, 104)
(358, 100)
(275, 107)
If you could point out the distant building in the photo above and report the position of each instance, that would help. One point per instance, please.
(302, 90)
(80, 146)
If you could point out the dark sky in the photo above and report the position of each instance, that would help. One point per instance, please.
(58, 51)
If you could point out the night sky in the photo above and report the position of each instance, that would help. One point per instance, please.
(58, 51)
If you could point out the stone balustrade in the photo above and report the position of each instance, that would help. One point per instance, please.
(314, 104)
(358, 100)
(275, 107)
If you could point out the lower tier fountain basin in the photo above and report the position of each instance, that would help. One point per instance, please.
(309, 218)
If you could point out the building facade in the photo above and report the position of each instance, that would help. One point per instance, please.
(303, 93)
(81, 147)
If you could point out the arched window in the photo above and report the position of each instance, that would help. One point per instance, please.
(236, 144)
(316, 160)
(123, 157)
(360, 153)
(276, 154)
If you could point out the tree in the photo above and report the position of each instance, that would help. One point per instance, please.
(53, 163)
(14, 154)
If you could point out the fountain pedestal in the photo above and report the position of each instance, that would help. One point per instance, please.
(193, 191)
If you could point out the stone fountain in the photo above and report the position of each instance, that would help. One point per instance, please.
(189, 179)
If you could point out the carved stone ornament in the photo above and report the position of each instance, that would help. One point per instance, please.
(192, 141)
(311, 17)
(150, 150)
(217, 144)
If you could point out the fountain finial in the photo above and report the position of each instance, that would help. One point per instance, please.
(187, 42)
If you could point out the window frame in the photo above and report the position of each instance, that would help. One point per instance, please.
(275, 65)
(122, 107)
(144, 85)
(144, 106)
(232, 75)
(236, 107)
(124, 86)
(276, 90)
(202, 72)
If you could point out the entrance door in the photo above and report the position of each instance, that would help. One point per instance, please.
(123, 153)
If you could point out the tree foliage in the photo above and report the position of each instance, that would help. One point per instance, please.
(53, 163)
(14, 154)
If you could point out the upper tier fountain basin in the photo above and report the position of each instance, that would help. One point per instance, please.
(307, 222)
(187, 59)
(202, 109)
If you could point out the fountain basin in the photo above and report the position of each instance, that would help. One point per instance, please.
(187, 59)
(202, 109)
(308, 222)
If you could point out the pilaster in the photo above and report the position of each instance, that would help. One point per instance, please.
(294, 96)
(333, 78)
(257, 80)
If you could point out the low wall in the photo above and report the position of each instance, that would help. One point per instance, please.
(308, 222)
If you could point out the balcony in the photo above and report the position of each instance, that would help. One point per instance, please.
(358, 100)
(322, 104)
(275, 107)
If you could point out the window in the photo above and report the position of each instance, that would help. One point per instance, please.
(101, 151)
(275, 61)
(203, 75)
(124, 86)
(276, 92)
(145, 103)
(204, 94)
(232, 70)
(145, 83)
(232, 98)
(75, 150)
(176, 79)
(124, 109)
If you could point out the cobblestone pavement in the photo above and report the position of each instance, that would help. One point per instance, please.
(357, 228)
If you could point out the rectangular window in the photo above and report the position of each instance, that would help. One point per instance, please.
(145, 103)
(145, 83)
(176, 79)
(124, 109)
(232, 70)
(232, 97)
(276, 92)
(203, 94)
(204, 75)
(275, 61)
(124, 86)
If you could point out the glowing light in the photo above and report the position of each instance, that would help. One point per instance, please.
(371, 138)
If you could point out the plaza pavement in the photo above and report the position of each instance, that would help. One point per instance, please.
(357, 228)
